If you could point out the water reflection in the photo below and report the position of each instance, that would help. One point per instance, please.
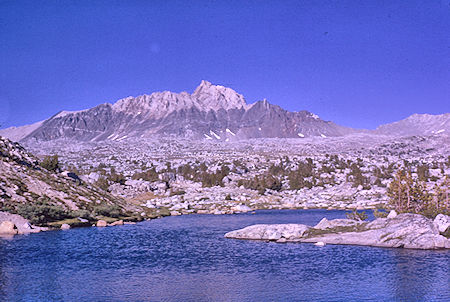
(414, 275)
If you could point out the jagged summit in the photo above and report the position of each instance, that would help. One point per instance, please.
(215, 97)
(159, 104)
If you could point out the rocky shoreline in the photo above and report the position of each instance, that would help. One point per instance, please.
(13, 224)
(410, 231)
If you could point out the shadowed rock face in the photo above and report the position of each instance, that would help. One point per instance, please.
(405, 230)
(211, 112)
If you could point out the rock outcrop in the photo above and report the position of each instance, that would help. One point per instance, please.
(7, 228)
(270, 232)
(20, 224)
(442, 222)
(403, 231)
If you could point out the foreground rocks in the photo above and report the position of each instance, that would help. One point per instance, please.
(270, 232)
(442, 222)
(12, 224)
(404, 230)
(7, 228)
(101, 224)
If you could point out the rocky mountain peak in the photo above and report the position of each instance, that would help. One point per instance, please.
(159, 104)
(217, 97)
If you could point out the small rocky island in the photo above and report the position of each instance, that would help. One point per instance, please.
(411, 231)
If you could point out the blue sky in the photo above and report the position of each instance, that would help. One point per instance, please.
(357, 63)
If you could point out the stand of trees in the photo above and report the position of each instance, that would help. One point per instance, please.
(411, 195)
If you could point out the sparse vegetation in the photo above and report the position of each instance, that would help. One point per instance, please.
(107, 210)
(358, 216)
(51, 163)
(42, 211)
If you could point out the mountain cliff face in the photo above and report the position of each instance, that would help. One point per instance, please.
(210, 112)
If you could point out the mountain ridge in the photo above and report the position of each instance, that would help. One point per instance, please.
(210, 112)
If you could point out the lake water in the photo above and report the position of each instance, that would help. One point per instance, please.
(186, 258)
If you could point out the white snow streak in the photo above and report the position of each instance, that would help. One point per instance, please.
(213, 133)
(229, 131)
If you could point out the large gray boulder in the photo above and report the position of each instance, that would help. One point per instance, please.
(7, 228)
(325, 224)
(404, 230)
(442, 222)
(65, 226)
(242, 208)
(269, 232)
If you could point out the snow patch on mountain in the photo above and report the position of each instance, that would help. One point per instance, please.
(231, 132)
(214, 134)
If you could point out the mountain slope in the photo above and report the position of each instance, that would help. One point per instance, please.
(210, 112)
(418, 124)
(18, 133)
(44, 196)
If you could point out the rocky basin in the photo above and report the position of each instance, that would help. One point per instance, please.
(402, 231)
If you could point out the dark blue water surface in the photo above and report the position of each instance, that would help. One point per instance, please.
(186, 258)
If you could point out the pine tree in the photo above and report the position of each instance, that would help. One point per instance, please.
(399, 191)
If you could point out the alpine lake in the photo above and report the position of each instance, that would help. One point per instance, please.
(187, 258)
